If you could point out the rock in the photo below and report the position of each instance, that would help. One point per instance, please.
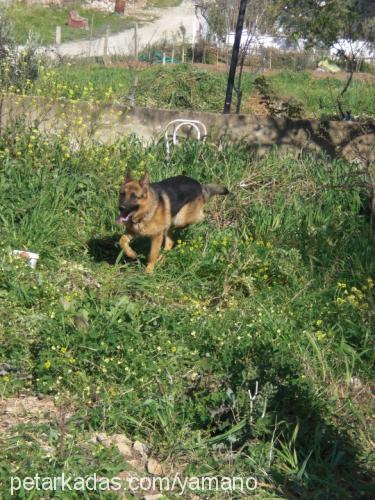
(100, 438)
(122, 443)
(356, 383)
(77, 21)
(154, 468)
(140, 448)
(101, 5)
(121, 438)
(136, 464)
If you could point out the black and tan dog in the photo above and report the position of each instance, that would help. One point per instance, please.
(154, 209)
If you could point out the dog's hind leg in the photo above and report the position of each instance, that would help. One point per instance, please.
(168, 244)
(156, 243)
(125, 245)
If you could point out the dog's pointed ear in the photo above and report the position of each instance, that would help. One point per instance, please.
(128, 175)
(145, 181)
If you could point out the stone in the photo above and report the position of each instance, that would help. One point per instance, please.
(136, 464)
(123, 445)
(154, 468)
(122, 442)
(77, 21)
(141, 449)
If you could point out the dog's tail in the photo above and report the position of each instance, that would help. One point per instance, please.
(212, 189)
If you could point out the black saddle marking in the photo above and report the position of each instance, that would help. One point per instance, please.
(180, 191)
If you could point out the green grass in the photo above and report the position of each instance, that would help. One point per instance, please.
(273, 287)
(43, 21)
(184, 87)
(318, 95)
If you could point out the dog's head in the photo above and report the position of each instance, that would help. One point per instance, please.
(133, 198)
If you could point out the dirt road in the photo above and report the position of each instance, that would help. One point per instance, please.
(165, 24)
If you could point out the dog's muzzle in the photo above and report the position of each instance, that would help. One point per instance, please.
(125, 214)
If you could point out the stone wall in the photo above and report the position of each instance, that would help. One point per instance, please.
(108, 122)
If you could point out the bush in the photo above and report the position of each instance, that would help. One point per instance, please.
(18, 69)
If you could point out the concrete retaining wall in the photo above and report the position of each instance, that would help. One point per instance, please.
(109, 122)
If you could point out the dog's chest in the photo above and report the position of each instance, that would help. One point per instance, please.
(149, 228)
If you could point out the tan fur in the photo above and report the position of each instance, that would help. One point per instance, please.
(191, 213)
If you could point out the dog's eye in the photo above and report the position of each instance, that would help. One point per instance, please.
(133, 197)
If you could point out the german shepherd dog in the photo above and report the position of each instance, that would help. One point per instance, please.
(154, 209)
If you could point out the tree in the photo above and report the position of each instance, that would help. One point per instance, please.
(344, 24)
(221, 17)
(234, 61)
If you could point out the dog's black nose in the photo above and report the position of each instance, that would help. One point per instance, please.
(122, 207)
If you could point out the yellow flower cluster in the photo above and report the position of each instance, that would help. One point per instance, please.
(354, 297)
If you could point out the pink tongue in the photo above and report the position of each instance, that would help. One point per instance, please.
(120, 219)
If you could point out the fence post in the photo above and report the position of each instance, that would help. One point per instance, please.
(58, 35)
(194, 35)
(163, 58)
(173, 53)
(105, 48)
(91, 32)
(136, 41)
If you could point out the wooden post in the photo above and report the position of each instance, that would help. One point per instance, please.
(136, 41)
(105, 47)
(194, 34)
(163, 58)
(58, 35)
(173, 53)
(91, 32)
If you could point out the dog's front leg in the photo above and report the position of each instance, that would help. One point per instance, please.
(156, 243)
(125, 245)
(168, 244)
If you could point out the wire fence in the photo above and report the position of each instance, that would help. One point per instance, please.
(173, 49)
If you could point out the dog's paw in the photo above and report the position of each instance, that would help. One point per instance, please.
(168, 245)
(131, 254)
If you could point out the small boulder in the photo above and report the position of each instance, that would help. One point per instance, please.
(154, 468)
(140, 449)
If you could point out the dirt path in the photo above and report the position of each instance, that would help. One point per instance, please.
(166, 23)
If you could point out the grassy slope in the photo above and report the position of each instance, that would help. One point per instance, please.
(185, 87)
(318, 95)
(273, 287)
(43, 21)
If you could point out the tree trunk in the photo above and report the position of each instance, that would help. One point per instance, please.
(234, 60)
(351, 63)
